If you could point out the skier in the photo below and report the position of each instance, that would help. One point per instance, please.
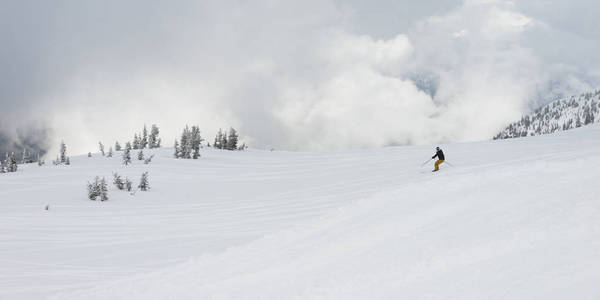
(440, 155)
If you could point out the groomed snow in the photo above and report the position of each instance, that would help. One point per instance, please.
(513, 219)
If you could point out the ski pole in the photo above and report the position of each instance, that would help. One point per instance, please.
(426, 162)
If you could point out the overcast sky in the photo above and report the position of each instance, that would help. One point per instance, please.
(296, 75)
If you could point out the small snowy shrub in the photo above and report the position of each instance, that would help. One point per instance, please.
(148, 160)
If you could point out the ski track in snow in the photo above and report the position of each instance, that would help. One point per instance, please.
(513, 219)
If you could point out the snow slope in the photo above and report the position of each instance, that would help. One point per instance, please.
(513, 219)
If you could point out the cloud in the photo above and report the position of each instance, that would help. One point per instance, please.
(293, 75)
(482, 78)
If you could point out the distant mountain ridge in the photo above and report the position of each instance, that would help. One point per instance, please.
(563, 114)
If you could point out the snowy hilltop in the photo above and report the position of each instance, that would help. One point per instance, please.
(557, 116)
(509, 219)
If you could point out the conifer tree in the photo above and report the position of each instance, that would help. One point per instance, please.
(136, 142)
(140, 155)
(186, 143)
(101, 147)
(103, 190)
(98, 188)
(39, 160)
(127, 154)
(92, 188)
(589, 118)
(196, 141)
(3, 163)
(217, 140)
(144, 140)
(223, 141)
(63, 152)
(118, 182)
(127, 184)
(232, 140)
(117, 146)
(68, 161)
(89, 154)
(144, 184)
(177, 153)
(110, 152)
(26, 157)
(153, 139)
(11, 165)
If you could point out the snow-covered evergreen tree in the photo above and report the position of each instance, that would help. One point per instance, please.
(144, 183)
(89, 154)
(153, 139)
(136, 142)
(232, 140)
(177, 153)
(191, 141)
(26, 157)
(127, 154)
(11, 165)
(103, 190)
(186, 143)
(68, 161)
(117, 146)
(128, 184)
(110, 152)
(2, 168)
(98, 188)
(92, 188)
(63, 152)
(196, 141)
(144, 140)
(217, 140)
(223, 141)
(140, 155)
(118, 181)
(588, 118)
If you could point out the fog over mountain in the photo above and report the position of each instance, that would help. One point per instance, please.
(297, 75)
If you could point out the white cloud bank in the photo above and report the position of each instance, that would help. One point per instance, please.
(293, 76)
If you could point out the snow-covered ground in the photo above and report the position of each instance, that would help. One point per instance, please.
(512, 219)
